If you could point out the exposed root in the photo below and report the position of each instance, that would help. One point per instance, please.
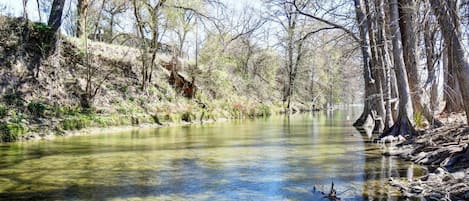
(402, 127)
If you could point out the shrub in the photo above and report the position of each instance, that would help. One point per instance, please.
(76, 123)
(188, 116)
(10, 132)
(36, 108)
(418, 119)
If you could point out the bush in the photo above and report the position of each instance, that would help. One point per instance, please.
(261, 110)
(37, 109)
(188, 117)
(10, 132)
(76, 123)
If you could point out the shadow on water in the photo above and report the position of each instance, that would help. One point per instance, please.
(266, 159)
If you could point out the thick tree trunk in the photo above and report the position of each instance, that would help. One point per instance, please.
(452, 92)
(55, 16)
(377, 67)
(407, 24)
(403, 125)
(448, 21)
(433, 67)
(370, 90)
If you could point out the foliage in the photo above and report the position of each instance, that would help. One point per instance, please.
(36, 108)
(419, 119)
(10, 132)
(76, 122)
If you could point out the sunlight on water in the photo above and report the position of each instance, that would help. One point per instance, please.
(264, 159)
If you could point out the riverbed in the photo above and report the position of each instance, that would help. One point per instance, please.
(275, 158)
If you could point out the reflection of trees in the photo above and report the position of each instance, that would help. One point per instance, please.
(378, 170)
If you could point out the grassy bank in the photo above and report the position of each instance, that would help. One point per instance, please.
(51, 85)
(42, 119)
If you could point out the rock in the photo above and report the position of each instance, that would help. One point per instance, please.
(440, 171)
(458, 175)
(416, 189)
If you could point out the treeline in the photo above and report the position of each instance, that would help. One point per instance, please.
(276, 53)
(405, 46)
(395, 37)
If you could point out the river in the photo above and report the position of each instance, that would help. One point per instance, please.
(263, 159)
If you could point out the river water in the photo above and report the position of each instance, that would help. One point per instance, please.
(263, 159)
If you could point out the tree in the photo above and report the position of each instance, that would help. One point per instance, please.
(403, 125)
(82, 8)
(448, 20)
(411, 51)
(55, 16)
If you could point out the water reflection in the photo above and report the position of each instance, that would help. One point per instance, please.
(274, 159)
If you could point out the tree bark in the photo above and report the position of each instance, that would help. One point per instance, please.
(55, 16)
(403, 125)
(385, 61)
(82, 8)
(370, 91)
(448, 21)
(377, 66)
(411, 51)
(25, 10)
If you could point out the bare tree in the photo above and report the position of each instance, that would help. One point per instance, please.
(403, 125)
(411, 51)
(448, 20)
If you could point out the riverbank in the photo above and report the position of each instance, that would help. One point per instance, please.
(445, 151)
(48, 90)
(49, 135)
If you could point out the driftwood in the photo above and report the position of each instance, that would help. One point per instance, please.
(332, 195)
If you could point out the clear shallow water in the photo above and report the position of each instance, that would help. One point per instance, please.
(264, 159)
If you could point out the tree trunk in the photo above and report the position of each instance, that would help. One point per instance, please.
(82, 8)
(433, 66)
(452, 92)
(25, 10)
(96, 24)
(55, 16)
(367, 73)
(377, 67)
(403, 125)
(385, 62)
(410, 43)
(448, 21)
(39, 10)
